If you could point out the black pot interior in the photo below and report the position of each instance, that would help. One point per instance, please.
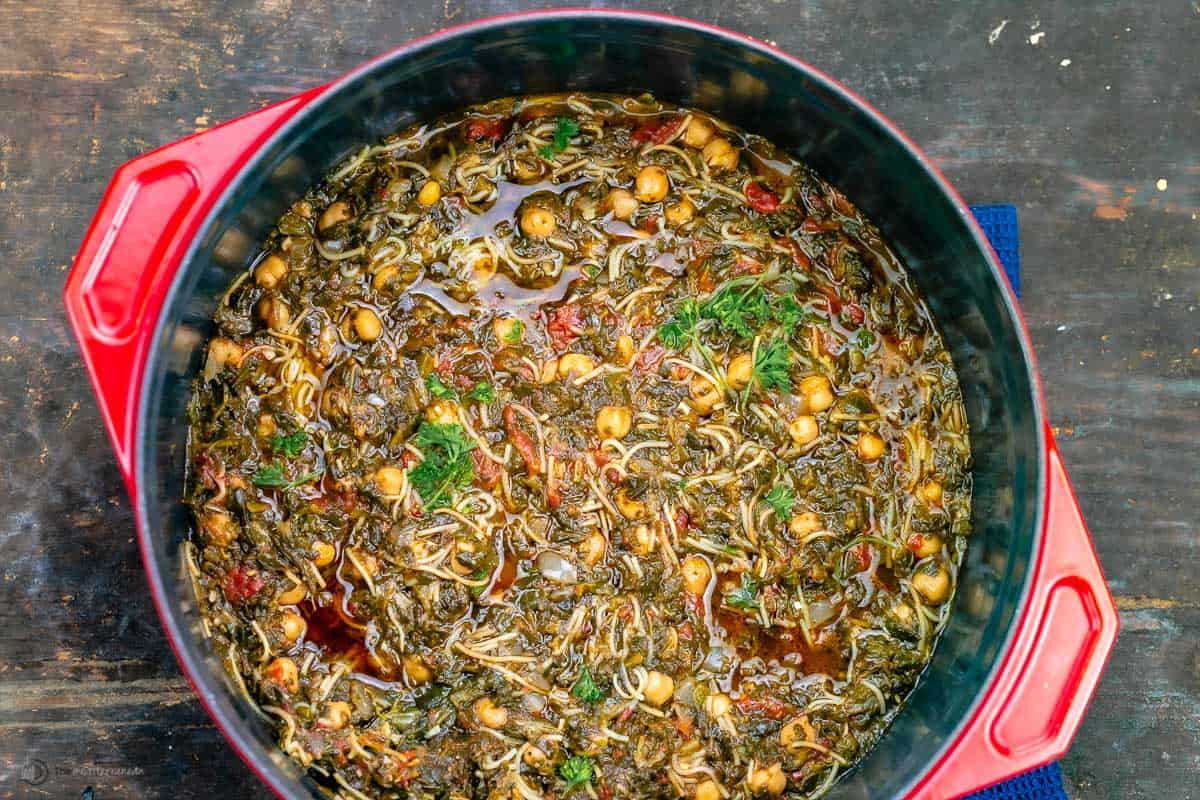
(755, 90)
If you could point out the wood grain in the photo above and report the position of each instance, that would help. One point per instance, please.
(1084, 114)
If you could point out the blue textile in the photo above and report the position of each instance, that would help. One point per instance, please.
(999, 222)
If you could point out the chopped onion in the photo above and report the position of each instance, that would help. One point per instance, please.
(557, 567)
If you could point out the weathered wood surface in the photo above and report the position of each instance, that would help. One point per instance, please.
(1085, 114)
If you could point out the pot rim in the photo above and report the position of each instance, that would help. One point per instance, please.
(231, 729)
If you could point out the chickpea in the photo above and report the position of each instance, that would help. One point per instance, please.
(659, 688)
(623, 203)
(629, 508)
(538, 222)
(219, 528)
(265, 428)
(528, 170)
(389, 480)
(293, 626)
(483, 270)
(651, 184)
(804, 523)
(490, 714)
(443, 412)
(697, 574)
(323, 553)
(336, 213)
(932, 492)
(680, 213)
(430, 193)
(508, 330)
(549, 371)
(642, 540)
(534, 756)
(803, 429)
(705, 395)
(384, 278)
(739, 371)
(367, 325)
(283, 673)
(698, 132)
(592, 548)
(292, 595)
(870, 447)
(270, 271)
(768, 780)
(706, 790)
(614, 422)
(717, 705)
(573, 365)
(932, 583)
(903, 613)
(624, 350)
(925, 545)
(336, 716)
(222, 351)
(275, 313)
(416, 670)
(360, 561)
(798, 730)
(720, 155)
(818, 392)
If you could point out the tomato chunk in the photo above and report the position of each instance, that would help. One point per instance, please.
(761, 199)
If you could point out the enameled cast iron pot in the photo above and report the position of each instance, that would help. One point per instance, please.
(1033, 621)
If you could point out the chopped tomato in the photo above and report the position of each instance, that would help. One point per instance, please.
(647, 360)
(657, 132)
(761, 199)
(747, 266)
(682, 520)
(813, 225)
(522, 442)
(856, 313)
(863, 554)
(565, 325)
(487, 472)
(799, 256)
(484, 128)
(768, 707)
(241, 583)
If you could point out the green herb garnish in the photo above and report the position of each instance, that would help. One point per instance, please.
(447, 466)
(737, 308)
(269, 475)
(676, 331)
(789, 313)
(745, 596)
(864, 339)
(576, 771)
(515, 332)
(771, 365)
(780, 499)
(585, 687)
(290, 445)
(564, 129)
(483, 392)
(437, 388)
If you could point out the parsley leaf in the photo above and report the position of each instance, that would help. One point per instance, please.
(437, 388)
(771, 364)
(780, 499)
(745, 596)
(789, 313)
(585, 687)
(737, 310)
(576, 771)
(676, 331)
(447, 466)
(290, 445)
(269, 475)
(483, 392)
(864, 339)
(564, 129)
(515, 332)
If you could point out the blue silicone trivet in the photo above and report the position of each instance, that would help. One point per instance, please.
(999, 222)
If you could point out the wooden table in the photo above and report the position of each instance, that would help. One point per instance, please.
(1084, 114)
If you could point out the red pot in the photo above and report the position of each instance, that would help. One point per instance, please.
(1033, 621)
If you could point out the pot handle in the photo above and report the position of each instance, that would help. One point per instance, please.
(1039, 698)
(147, 219)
